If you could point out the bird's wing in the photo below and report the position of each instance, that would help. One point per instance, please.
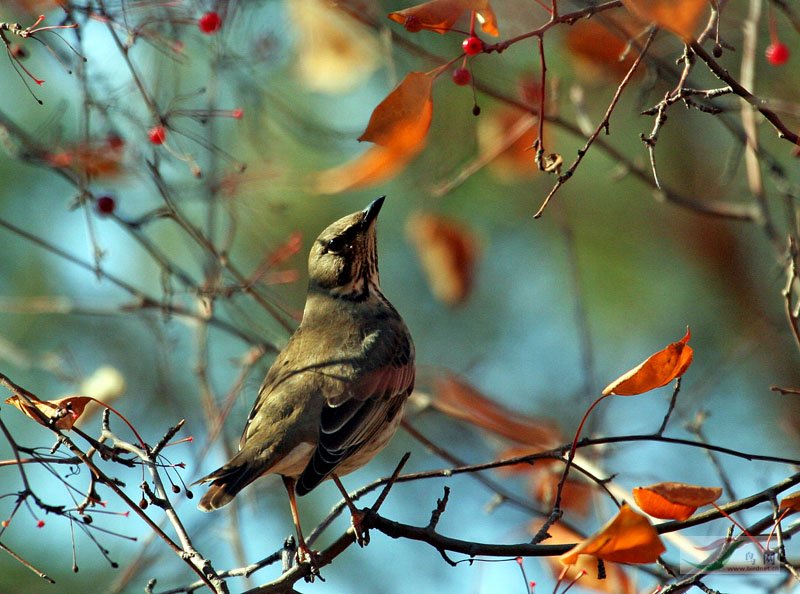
(350, 418)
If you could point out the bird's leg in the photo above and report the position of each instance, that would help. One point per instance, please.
(356, 515)
(304, 552)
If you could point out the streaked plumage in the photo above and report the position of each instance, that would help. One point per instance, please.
(334, 396)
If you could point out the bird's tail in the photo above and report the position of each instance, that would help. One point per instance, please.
(226, 482)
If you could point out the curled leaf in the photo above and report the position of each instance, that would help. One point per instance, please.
(448, 252)
(60, 414)
(627, 538)
(656, 371)
(674, 501)
(441, 15)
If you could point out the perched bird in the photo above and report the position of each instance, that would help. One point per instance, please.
(335, 394)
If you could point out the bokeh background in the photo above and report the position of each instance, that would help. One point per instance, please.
(558, 306)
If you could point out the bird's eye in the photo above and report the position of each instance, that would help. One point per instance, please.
(337, 244)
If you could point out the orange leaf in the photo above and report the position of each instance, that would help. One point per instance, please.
(441, 15)
(601, 49)
(101, 158)
(505, 137)
(402, 119)
(791, 501)
(627, 538)
(674, 501)
(658, 370)
(678, 16)
(375, 165)
(399, 126)
(459, 400)
(447, 251)
(61, 413)
(615, 580)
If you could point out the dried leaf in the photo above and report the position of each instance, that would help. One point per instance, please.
(600, 49)
(441, 15)
(459, 400)
(627, 538)
(791, 501)
(334, 51)
(678, 16)
(674, 501)
(656, 371)
(615, 581)
(403, 118)
(399, 126)
(448, 253)
(103, 158)
(544, 477)
(61, 413)
(376, 165)
(505, 138)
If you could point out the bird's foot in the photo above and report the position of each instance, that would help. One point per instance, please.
(306, 555)
(361, 532)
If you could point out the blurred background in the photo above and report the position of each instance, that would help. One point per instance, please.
(101, 280)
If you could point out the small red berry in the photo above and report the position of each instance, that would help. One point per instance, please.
(461, 76)
(40, 524)
(210, 22)
(157, 134)
(472, 45)
(777, 53)
(412, 24)
(237, 113)
(105, 205)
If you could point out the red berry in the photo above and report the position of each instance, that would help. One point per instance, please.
(461, 76)
(157, 134)
(210, 22)
(105, 205)
(237, 113)
(777, 53)
(40, 524)
(472, 45)
(413, 24)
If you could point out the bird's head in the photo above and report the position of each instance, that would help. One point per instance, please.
(344, 258)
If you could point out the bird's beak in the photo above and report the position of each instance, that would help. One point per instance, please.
(371, 212)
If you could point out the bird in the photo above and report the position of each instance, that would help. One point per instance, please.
(335, 394)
